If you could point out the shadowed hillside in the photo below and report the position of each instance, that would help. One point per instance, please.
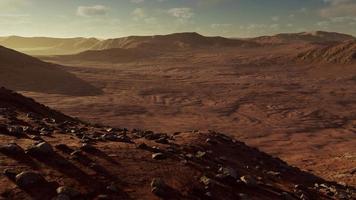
(24, 73)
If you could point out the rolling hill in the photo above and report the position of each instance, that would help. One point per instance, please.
(21, 72)
(342, 53)
(304, 37)
(48, 46)
(171, 42)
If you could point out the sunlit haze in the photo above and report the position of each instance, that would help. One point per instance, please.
(230, 18)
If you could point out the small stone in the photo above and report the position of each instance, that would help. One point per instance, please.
(210, 141)
(200, 154)
(158, 187)
(87, 147)
(157, 182)
(162, 140)
(158, 156)
(248, 180)
(76, 153)
(29, 178)
(68, 191)
(112, 188)
(205, 180)
(15, 130)
(110, 137)
(35, 137)
(142, 146)
(10, 173)
(228, 172)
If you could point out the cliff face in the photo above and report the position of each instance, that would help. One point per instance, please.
(45, 154)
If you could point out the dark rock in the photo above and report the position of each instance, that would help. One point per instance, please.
(249, 180)
(158, 187)
(29, 178)
(15, 130)
(210, 141)
(68, 191)
(200, 154)
(87, 147)
(162, 141)
(11, 173)
(112, 188)
(11, 148)
(158, 156)
(142, 146)
(228, 172)
(42, 148)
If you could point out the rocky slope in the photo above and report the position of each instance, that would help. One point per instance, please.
(304, 37)
(25, 73)
(342, 53)
(47, 155)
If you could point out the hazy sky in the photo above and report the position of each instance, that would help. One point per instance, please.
(116, 18)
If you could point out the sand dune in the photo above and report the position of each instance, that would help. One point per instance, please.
(24, 73)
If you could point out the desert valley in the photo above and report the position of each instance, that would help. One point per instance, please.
(289, 95)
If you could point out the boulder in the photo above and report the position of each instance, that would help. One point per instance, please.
(29, 178)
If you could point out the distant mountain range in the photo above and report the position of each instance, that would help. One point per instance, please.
(321, 46)
(48, 46)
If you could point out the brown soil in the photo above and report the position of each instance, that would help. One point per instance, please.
(190, 169)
